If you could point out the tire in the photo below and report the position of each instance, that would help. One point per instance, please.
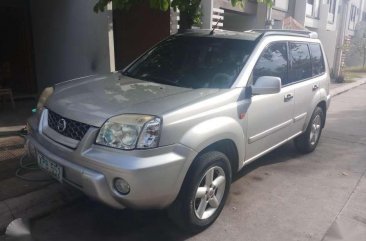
(195, 213)
(307, 141)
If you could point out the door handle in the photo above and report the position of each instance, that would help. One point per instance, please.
(315, 87)
(288, 97)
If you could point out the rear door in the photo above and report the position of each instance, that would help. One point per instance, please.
(270, 116)
(307, 70)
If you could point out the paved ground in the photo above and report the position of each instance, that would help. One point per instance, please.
(11, 150)
(283, 196)
(20, 197)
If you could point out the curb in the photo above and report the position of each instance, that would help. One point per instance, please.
(36, 203)
(10, 130)
(340, 90)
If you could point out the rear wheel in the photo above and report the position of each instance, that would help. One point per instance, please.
(308, 141)
(204, 192)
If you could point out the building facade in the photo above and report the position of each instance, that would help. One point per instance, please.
(46, 42)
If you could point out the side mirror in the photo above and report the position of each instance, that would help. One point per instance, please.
(266, 85)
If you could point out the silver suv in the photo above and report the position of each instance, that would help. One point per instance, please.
(174, 127)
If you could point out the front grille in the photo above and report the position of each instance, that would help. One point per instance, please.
(66, 127)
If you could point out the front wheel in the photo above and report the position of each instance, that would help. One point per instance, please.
(308, 140)
(204, 192)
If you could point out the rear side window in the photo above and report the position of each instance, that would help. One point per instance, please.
(272, 62)
(317, 59)
(300, 62)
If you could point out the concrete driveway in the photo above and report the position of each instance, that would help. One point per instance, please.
(283, 196)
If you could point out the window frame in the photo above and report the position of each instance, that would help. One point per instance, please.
(311, 58)
(364, 16)
(261, 54)
(315, 13)
(352, 17)
(332, 10)
(290, 64)
(280, 8)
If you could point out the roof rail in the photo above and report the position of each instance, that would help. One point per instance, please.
(296, 33)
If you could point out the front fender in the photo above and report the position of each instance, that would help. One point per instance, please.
(208, 132)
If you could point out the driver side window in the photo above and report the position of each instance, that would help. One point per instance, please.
(273, 62)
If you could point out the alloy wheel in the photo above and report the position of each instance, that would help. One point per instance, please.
(210, 192)
(315, 130)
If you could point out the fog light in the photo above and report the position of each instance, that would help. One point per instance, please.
(121, 186)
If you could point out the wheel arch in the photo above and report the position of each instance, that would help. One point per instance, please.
(319, 102)
(227, 147)
(323, 105)
(222, 134)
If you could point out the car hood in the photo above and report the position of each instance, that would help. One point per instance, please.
(94, 99)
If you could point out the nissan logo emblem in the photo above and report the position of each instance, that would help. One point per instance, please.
(61, 125)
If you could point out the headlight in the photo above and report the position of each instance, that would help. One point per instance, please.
(46, 93)
(130, 131)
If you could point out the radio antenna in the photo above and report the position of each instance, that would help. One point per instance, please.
(213, 29)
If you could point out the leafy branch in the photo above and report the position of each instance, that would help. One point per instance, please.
(189, 9)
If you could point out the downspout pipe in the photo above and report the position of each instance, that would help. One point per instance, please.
(269, 20)
(340, 41)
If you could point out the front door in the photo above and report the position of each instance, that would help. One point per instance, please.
(270, 117)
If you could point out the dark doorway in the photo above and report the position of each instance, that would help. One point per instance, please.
(137, 30)
(16, 60)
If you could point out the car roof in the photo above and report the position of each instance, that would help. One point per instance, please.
(286, 32)
(251, 35)
(218, 33)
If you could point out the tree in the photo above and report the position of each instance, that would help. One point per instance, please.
(356, 49)
(189, 9)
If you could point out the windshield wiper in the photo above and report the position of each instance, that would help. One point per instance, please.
(151, 78)
(159, 80)
(128, 74)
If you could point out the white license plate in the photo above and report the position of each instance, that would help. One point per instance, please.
(51, 167)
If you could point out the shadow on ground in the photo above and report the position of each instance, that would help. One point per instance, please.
(94, 221)
(282, 154)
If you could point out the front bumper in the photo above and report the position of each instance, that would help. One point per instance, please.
(155, 176)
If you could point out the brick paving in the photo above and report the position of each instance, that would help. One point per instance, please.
(11, 150)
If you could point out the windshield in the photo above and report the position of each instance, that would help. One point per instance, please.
(193, 62)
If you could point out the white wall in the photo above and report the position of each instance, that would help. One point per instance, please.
(238, 22)
(70, 40)
(326, 35)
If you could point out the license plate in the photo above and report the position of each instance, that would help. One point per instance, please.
(51, 167)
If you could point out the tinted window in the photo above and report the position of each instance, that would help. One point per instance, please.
(317, 59)
(193, 62)
(300, 62)
(273, 62)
